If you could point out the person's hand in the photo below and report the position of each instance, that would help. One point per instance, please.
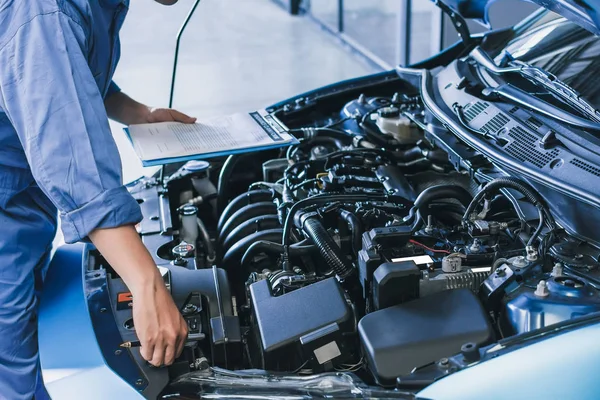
(167, 115)
(161, 329)
(127, 111)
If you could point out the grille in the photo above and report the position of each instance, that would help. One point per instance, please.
(524, 148)
(495, 124)
(513, 110)
(474, 110)
(585, 166)
(535, 123)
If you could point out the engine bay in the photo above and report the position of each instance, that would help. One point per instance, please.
(368, 257)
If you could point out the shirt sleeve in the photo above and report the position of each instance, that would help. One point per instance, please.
(112, 89)
(51, 98)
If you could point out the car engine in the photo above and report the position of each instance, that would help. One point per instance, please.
(367, 249)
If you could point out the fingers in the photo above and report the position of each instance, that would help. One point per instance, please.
(181, 117)
(169, 354)
(166, 349)
(147, 351)
(181, 338)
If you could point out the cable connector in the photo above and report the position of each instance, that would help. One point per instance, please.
(531, 253)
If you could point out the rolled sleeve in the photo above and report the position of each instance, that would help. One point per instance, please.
(57, 110)
(112, 208)
(112, 89)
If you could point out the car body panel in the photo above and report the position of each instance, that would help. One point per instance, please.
(560, 367)
(70, 356)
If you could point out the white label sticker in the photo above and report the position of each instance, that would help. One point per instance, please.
(419, 260)
(327, 352)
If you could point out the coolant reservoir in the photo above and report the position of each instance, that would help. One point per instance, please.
(391, 122)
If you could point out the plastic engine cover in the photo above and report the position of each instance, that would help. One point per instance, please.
(309, 319)
(399, 338)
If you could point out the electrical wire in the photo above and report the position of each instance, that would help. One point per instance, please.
(428, 248)
(341, 121)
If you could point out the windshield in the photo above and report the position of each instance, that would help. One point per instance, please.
(562, 48)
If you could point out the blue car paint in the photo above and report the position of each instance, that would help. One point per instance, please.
(71, 360)
(561, 367)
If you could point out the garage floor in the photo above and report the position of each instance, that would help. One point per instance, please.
(235, 56)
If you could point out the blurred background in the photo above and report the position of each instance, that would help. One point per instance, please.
(242, 55)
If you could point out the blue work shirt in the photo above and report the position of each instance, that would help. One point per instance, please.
(57, 59)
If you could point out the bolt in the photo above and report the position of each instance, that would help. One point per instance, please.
(103, 309)
(532, 254)
(542, 289)
(429, 227)
(298, 270)
(557, 270)
(444, 362)
(391, 191)
(520, 262)
(117, 352)
(500, 272)
(476, 246)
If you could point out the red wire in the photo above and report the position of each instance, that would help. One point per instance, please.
(428, 248)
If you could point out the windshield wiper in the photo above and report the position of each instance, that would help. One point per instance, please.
(546, 80)
(526, 100)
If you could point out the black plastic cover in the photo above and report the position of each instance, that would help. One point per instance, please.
(306, 319)
(395, 283)
(399, 338)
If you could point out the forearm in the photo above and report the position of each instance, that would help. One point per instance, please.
(125, 252)
(124, 109)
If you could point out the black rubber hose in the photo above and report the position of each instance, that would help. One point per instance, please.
(224, 178)
(495, 185)
(330, 251)
(208, 245)
(244, 214)
(433, 193)
(276, 249)
(235, 253)
(356, 228)
(325, 140)
(526, 190)
(251, 226)
(414, 153)
(244, 199)
(318, 200)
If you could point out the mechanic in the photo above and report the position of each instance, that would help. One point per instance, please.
(57, 58)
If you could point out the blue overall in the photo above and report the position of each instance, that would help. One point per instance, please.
(57, 58)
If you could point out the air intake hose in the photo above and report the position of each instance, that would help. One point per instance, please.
(330, 251)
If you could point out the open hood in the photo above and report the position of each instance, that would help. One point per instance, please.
(582, 12)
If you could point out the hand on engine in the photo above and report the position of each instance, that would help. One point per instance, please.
(158, 323)
(160, 327)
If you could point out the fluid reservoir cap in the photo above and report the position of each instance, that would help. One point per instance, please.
(196, 166)
(188, 209)
(389, 112)
(183, 250)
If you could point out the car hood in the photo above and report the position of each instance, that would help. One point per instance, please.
(582, 12)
